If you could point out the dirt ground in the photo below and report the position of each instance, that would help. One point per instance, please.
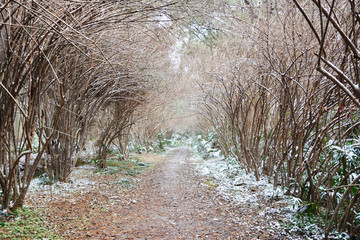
(168, 201)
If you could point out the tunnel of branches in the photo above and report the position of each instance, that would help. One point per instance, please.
(276, 81)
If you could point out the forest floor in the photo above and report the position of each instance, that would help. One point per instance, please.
(166, 201)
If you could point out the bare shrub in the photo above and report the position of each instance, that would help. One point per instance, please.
(27, 67)
(283, 118)
(58, 69)
(335, 27)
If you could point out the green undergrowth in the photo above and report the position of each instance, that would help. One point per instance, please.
(310, 220)
(158, 145)
(130, 167)
(26, 224)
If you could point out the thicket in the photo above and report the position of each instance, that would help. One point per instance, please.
(70, 70)
(283, 98)
(281, 89)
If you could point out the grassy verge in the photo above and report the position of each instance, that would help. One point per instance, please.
(26, 224)
(129, 167)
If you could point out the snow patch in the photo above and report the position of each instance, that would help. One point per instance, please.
(77, 182)
(233, 182)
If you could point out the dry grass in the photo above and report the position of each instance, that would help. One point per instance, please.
(150, 157)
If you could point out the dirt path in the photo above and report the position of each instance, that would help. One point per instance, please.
(172, 203)
(169, 202)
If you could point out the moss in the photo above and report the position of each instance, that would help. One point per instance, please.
(211, 184)
(127, 167)
(26, 225)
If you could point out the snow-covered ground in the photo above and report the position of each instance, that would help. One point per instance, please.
(78, 180)
(266, 201)
(234, 183)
